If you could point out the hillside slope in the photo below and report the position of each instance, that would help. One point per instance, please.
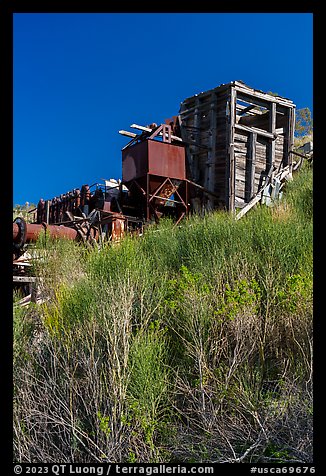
(190, 344)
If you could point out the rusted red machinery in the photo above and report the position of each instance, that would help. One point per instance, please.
(154, 184)
(228, 148)
(154, 172)
(224, 150)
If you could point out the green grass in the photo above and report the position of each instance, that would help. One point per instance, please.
(171, 339)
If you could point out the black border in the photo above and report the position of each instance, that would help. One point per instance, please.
(7, 10)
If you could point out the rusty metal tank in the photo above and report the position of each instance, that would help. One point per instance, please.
(154, 158)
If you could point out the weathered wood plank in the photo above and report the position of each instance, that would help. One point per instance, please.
(260, 98)
(127, 133)
(251, 165)
(254, 129)
(204, 109)
(251, 109)
(24, 279)
(241, 137)
(148, 129)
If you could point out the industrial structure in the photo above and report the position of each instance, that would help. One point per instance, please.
(226, 149)
(241, 138)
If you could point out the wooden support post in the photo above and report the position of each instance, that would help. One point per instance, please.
(211, 154)
(271, 143)
(250, 169)
(195, 165)
(290, 137)
(231, 161)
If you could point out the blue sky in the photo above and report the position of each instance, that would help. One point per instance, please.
(81, 77)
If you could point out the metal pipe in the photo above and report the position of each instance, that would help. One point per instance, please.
(56, 231)
(33, 232)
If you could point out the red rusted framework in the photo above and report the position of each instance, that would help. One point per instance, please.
(154, 171)
(153, 194)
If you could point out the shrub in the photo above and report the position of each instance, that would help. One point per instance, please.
(192, 343)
